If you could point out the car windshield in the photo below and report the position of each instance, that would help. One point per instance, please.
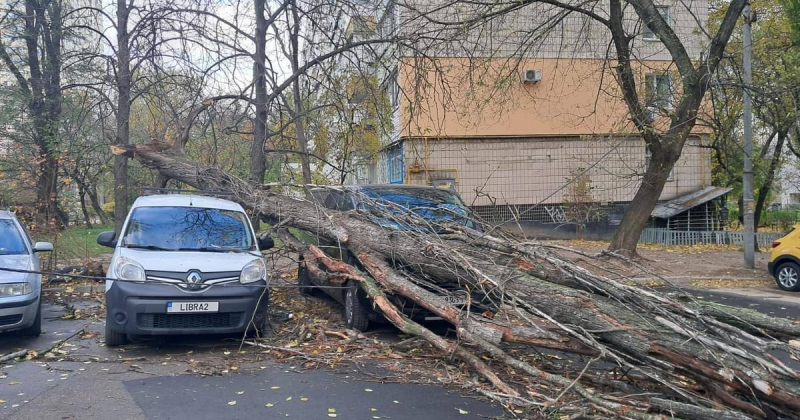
(11, 242)
(429, 203)
(188, 229)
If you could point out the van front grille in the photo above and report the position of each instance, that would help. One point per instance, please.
(189, 321)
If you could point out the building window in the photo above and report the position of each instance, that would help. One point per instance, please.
(393, 89)
(395, 169)
(658, 91)
(647, 33)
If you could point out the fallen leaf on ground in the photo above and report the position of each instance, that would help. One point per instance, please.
(231, 402)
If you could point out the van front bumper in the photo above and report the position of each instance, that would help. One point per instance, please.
(141, 309)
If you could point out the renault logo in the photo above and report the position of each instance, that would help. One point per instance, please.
(194, 279)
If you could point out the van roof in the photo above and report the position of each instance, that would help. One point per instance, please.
(182, 200)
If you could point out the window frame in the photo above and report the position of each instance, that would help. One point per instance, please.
(653, 95)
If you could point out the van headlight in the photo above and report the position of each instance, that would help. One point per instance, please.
(15, 289)
(254, 271)
(128, 269)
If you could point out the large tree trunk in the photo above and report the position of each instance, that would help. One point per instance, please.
(638, 212)
(43, 44)
(299, 113)
(680, 359)
(123, 115)
(258, 163)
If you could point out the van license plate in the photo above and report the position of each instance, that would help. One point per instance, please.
(179, 307)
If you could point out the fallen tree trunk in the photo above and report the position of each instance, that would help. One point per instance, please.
(685, 359)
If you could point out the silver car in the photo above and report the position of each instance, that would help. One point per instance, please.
(20, 293)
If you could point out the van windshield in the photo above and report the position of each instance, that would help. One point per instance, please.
(188, 229)
(11, 242)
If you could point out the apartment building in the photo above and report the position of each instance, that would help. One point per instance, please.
(522, 116)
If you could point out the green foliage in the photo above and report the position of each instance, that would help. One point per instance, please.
(779, 220)
(776, 84)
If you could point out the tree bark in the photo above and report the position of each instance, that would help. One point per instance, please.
(299, 113)
(258, 163)
(638, 212)
(123, 114)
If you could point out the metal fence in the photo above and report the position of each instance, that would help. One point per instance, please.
(723, 237)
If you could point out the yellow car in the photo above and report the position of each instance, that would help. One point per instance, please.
(784, 262)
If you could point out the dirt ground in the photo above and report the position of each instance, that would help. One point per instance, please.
(706, 266)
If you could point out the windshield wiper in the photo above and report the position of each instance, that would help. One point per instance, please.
(150, 247)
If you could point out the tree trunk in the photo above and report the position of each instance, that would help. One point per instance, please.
(258, 164)
(98, 209)
(638, 212)
(763, 192)
(299, 113)
(43, 48)
(666, 147)
(86, 217)
(123, 115)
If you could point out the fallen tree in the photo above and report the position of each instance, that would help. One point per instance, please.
(656, 355)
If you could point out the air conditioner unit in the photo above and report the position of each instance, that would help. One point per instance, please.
(532, 76)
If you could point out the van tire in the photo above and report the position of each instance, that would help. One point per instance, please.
(787, 275)
(355, 312)
(113, 338)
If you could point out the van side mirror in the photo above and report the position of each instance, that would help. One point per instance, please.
(107, 239)
(265, 242)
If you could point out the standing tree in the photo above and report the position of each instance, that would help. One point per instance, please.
(36, 68)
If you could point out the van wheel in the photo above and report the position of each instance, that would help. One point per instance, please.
(305, 285)
(355, 313)
(113, 338)
(35, 329)
(788, 277)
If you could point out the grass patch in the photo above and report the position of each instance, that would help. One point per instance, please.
(79, 242)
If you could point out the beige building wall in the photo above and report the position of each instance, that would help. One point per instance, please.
(452, 97)
(538, 170)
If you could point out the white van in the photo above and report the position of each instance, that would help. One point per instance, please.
(185, 264)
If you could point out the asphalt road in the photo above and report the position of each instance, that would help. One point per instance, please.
(159, 379)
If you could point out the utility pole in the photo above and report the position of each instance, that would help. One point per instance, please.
(747, 178)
